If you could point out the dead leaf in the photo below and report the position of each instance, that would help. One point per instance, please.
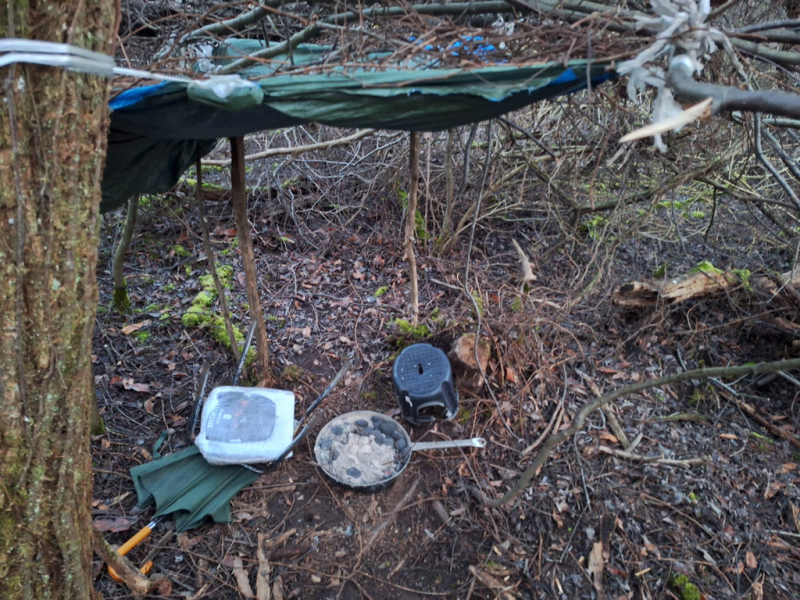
(728, 436)
(306, 332)
(511, 376)
(750, 560)
(608, 437)
(597, 563)
(242, 578)
(148, 405)
(128, 384)
(786, 467)
(129, 329)
(114, 525)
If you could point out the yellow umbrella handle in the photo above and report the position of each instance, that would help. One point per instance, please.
(130, 545)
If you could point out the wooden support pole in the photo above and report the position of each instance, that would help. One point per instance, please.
(239, 192)
(411, 213)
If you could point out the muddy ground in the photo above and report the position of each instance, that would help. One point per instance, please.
(707, 492)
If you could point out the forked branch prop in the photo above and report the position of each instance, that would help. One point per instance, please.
(583, 413)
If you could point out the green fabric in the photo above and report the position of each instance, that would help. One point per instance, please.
(157, 131)
(185, 485)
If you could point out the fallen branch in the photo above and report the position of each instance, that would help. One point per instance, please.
(130, 575)
(583, 413)
(694, 285)
(729, 98)
(661, 460)
(493, 584)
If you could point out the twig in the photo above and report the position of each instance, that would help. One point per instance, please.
(390, 517)
(493, 584)
(753, 414)
(768, 163)
(554, 420)
(611, 417)
(688, 462)
(466, 281)
(587, 409)
(297, 150)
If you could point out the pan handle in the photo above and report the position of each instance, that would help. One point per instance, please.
(471, 443)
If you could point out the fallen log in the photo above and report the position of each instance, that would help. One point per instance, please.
(705, 280)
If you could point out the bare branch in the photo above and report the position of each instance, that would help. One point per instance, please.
(297, 150)
(728, 98)
(589, 408)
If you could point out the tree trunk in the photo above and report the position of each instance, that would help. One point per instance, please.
(52, 145)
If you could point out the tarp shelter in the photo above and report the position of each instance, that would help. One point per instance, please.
(156, 131)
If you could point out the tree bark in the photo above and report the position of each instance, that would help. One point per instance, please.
(52, 145)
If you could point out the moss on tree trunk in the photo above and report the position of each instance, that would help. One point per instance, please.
(52, 144)
(122, 301)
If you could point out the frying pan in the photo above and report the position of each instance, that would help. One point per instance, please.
(385, 432)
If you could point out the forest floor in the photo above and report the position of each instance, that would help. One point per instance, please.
(707, 493)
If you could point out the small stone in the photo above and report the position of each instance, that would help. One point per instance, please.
(388, 427)
(361, 423)
(353, 472)
(400, 444)
(337, 430)
(376, 420)
(325, 443)
(397, 435)
(381, 440)
(334, 455)
(365, 449)
(316, 579)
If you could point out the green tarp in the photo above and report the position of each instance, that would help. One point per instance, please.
(157, 131)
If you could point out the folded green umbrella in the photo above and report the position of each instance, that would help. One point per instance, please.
(185, 485)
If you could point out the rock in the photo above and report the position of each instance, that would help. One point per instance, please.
(400, 444)
(388, 427)
(337, 430)
(325, 443)
(361, 423)
(462, 359)
(353, 472)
